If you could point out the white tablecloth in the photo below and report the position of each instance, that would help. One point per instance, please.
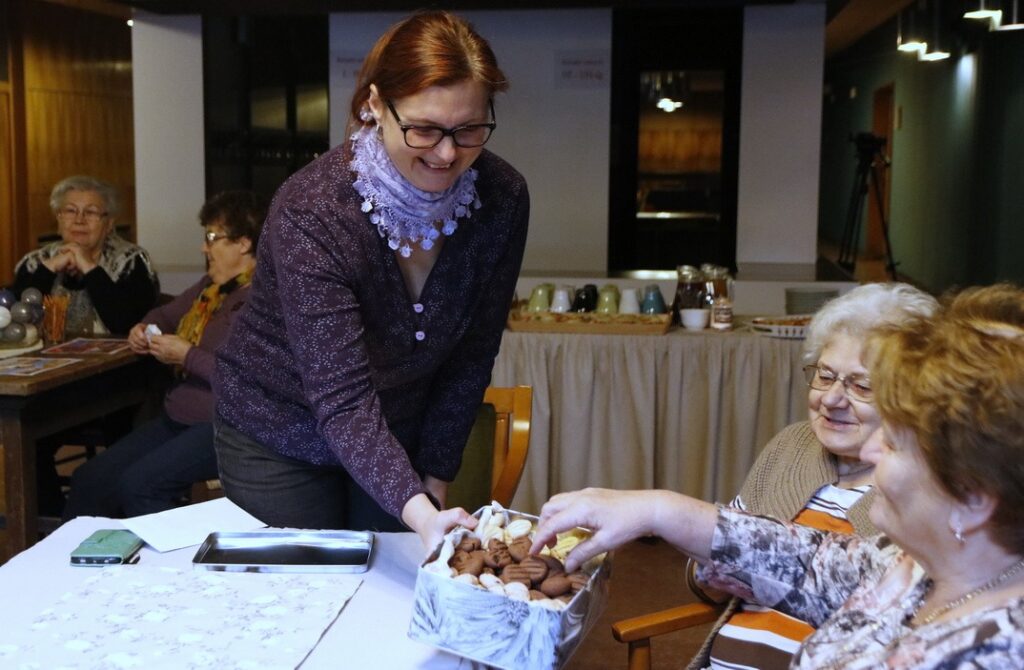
(369, 633)
(686, 411)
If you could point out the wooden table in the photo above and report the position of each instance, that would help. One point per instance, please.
(36, 406)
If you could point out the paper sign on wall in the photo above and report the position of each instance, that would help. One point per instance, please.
(582, 69)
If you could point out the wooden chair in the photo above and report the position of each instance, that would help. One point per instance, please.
(495, 455)
(638, 631)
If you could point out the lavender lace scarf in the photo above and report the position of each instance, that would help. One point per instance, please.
(404, 214)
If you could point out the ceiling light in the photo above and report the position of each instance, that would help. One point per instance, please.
(669, 105)
(907, 38)
(1014, 23)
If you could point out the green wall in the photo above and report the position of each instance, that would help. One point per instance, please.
(957, 203)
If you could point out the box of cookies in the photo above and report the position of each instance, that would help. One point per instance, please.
(481, 595)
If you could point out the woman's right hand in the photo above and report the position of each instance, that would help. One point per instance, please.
(64, 261)
(137, 340)
(617, 517)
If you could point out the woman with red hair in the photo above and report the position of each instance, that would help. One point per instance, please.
(348, 387)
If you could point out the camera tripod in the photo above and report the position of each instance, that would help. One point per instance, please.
(871, 163)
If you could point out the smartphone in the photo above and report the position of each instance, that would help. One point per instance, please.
(107, 547)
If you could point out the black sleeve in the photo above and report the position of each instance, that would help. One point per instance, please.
(41, 279)
(121, 304)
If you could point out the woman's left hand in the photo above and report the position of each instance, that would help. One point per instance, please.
(169, 349)
(429, 523)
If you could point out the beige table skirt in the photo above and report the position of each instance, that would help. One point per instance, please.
(684, 411)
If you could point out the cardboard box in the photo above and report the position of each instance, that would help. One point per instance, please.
(496, 630)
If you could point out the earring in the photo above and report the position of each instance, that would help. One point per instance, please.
(958, 533)
(380, 132)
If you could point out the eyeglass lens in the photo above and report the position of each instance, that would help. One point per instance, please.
(823, 379)
(88, 214)
(428, 137)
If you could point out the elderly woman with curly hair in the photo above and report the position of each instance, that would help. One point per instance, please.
(944, 586)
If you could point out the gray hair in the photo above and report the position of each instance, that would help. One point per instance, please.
(862, 309)
(86, 183)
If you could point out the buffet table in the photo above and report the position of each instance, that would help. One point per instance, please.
(687, 411)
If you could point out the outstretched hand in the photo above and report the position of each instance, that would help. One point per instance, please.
(614, 517)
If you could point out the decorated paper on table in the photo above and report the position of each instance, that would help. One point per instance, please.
(132, 616)
(88, 345)
(26, 366)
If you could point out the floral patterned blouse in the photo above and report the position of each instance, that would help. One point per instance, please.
(861, 594)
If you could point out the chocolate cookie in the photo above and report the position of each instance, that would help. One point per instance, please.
(536, 568)
(497, 555)
(468, 562)
(516, 573)
(469, 543)
(556, 585)
(554, 565)
(519, 548)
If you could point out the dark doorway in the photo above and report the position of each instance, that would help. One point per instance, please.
(265, 96)
(675, 138)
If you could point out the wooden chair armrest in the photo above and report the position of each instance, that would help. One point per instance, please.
(665, 621)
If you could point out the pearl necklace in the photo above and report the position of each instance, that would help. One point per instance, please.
(970, 595)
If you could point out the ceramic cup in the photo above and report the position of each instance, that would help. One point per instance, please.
(539, 300)
(561, 303)
(629, 303)
(694, 319)
(654, 302)
(607, 302)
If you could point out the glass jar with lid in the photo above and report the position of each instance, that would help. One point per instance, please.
(690, 290)
(716, 282)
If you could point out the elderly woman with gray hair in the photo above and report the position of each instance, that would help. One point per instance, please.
(110, 282)
(811, 472)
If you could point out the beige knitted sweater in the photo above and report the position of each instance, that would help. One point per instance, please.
(790, 469)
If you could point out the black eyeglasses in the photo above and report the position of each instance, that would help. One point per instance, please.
(211, 236)
(428, 137)
(856, 386)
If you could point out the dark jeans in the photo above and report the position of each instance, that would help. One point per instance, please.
(149, 470)
(285, 493)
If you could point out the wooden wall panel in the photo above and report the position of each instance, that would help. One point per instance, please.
(78, 99)
(7, 259)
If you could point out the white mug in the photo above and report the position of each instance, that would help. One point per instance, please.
(629, 303)
(561, 303)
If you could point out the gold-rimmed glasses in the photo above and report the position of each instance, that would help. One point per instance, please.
(856, 386)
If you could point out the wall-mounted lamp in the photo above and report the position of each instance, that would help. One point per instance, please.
(1014, 23)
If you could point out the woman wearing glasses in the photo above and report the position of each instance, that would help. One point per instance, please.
(110, 281)
(811, 472)
(348, 388)
(152, 468)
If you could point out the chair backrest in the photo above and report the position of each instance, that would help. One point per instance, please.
(495, 455)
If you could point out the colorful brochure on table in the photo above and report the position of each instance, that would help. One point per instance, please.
(88, 345)
(26, 366)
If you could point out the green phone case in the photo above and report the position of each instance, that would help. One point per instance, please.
(107, 547)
